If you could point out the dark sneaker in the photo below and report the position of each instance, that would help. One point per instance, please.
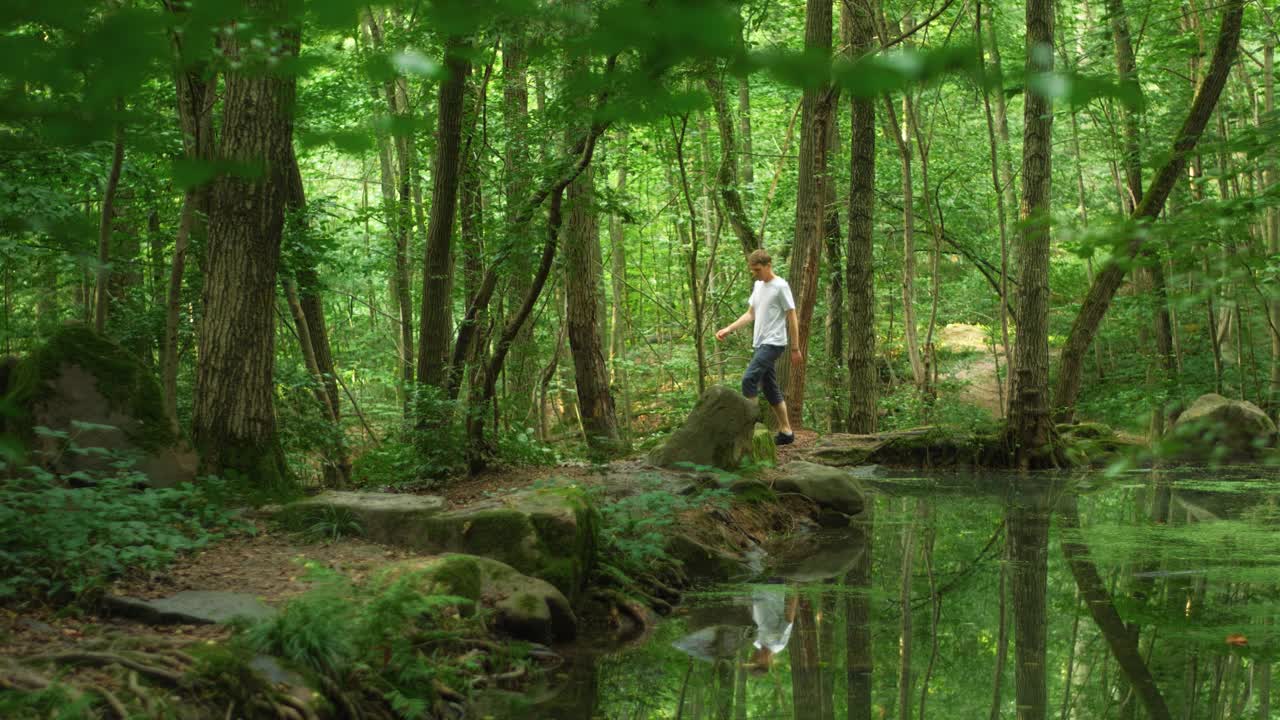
(784, 438)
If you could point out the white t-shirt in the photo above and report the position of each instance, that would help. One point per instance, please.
(770, 301)
(769, 610)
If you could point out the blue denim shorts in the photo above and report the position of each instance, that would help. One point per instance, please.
(761, 375)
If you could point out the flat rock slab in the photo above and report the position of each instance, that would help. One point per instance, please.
(383, 517)
(548, 533)
(192, 607)
(922, 447)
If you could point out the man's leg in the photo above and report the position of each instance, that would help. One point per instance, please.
(773, 393)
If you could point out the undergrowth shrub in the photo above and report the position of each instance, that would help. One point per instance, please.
(65, 536)
(389, 638)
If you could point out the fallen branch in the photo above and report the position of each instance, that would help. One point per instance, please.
(171, 679)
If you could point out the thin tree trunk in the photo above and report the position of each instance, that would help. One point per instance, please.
(101, 299)
(727, 175)
(1002, 181)
(1027, 526)
(435, 321)
(905, 630)
(836, 316)
(1273, 232)
(696, 287)
(195, 95)
(858, 26)
(811, 195)
(522, 369)
(618, 275)
(935, 252)
(860, 661)
(1108, 280)
(1030, 424)
(1002, 638)
(910, 333)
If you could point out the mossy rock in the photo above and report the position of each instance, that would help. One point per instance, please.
(924, 447)
(1085, 430)
(80, 376)
(764, 451)
(381, 517)
(719, 432)
(525, 608)
(831, 488)
(703, 562)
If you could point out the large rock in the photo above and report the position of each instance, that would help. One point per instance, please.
(718, 432)
(80, 377)
(523, 607)
(388, 518)
(1218, 428)
(703, 562)
(549, 533)
(830, 487)
(923, 447)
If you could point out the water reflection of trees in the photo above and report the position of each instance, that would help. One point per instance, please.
(1123, 602)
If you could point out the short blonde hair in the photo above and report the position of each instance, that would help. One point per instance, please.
(759, 256)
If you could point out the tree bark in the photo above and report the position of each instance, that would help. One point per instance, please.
(1027, 525)
(1273, 230)
(1122, 642)
(811, 195)
(618, 276)
(1030, 425)
(522, 370)
(195, 95)
(435, 318)
(102, 275)
(727, 175)
(583, 285)
(860, 660)
(910, 333)
(1104, 287)
(858, 28)
(234, 420)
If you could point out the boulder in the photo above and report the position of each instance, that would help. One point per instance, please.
(102, 396)
(830, 487)
(523, 607)
(817, 557)
(1218, 428)
(719, 432)
(703, 562)
(549, 533)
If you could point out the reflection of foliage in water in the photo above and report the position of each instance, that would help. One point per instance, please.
(1198, 585)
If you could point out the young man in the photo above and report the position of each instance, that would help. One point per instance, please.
(773, 311)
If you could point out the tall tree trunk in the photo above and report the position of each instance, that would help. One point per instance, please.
(102, 274)
(727, 175)
(748, 175)
(910, 333)
(697, 287)
(584, 284)
(435, 318)
(195, 95)
(522, 370)
(906, 634)
(1122, 642)
(811, 196)
(234, 421)
(1108, 280)
(1027, 528)
(1273, 231)
(618, 276)
(858, 28)
(836, 321)
(806, 677)
(1030, 425)
(302, 293)
(859, 658)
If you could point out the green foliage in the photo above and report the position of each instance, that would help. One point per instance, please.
(633, 530)
(387, 636)
(323, 523)
(66, 536)
(56, 702)
(523, 448)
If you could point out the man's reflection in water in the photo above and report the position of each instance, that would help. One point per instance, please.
(774, 614)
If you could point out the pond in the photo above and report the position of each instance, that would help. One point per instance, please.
(1148, 594)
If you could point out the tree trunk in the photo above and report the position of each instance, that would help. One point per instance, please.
(234, 421)
(522, 370)
(1108, 280)
(1030, 425)
(910, 334)
(905, 637)
(101, 297)
(1122, 642)
(811, 196)
(435, 319)
(583, 285)
(727, 175)
(1273, 229)
(195, 94)
(860, 660)
(806, 678)
(303, 295)
(618, 276)
(858, 27)
(1027, 526)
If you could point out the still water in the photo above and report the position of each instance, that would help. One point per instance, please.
(1149, 594)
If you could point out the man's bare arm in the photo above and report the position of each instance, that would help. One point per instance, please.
(747, 317)
(793, 335)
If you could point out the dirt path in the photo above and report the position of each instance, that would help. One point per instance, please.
(981, 382)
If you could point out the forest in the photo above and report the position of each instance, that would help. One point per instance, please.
(460, 248)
